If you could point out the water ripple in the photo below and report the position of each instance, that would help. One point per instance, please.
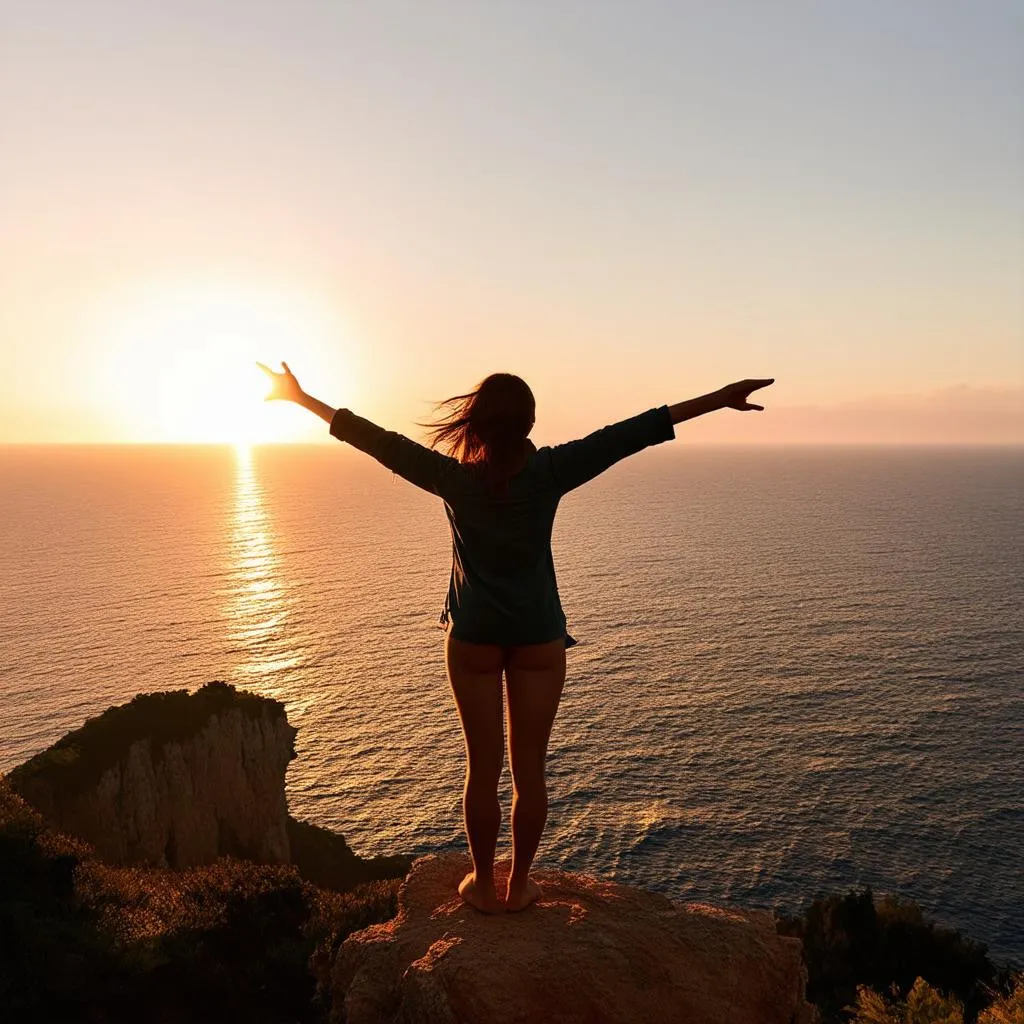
(806, 683)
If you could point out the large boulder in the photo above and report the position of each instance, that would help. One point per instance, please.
(587, 951)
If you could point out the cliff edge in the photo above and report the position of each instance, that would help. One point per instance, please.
(171, 779)
(587, 951)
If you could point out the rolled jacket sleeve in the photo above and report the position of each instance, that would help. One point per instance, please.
(576, 462)
(410, 460)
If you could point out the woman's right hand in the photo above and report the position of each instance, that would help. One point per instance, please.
(283, 385)
(734, 396)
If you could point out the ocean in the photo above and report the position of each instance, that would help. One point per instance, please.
(800, 670)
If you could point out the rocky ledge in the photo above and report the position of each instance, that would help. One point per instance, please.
(171, 779)
(587, 951)
(178, 779)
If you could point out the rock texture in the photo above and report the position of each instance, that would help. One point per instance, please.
(172, 779)
(587, 951)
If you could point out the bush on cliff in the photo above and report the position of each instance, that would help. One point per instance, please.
(885, 945)
(51, 952)
(82, 940)
(926, 1005)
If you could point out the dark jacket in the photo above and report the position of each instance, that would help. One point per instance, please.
(502, 588)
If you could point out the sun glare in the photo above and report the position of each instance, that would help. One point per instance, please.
(182, 365)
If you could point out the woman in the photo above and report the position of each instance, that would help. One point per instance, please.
(502, 613)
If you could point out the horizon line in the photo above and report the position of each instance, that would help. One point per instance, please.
(691, 444)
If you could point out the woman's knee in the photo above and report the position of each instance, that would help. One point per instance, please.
(528, 775)
(484, 770)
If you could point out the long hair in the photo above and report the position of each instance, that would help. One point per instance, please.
(487, 427)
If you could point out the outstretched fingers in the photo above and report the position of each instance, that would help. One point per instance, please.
(274, 373)
(754, 385)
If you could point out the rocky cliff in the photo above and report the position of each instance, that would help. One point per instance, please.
(178, 779)
(587, 951)
(171, 779)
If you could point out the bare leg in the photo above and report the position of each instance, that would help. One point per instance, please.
(474, 671)
(534, 676)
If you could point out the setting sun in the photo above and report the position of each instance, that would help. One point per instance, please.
(181, 363)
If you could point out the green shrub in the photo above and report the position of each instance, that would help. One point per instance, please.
(81, 940)
(53, 957)
(1009, 1008)
(854, 940)
(925, 1005)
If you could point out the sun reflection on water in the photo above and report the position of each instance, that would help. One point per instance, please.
(258, 607)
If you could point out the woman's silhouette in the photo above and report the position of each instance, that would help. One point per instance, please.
(502, 613)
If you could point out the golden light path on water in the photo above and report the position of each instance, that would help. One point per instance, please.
(258, 608)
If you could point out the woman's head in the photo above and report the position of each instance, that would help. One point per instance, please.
(488, 426)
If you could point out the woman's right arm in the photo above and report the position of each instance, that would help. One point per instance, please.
(412, 461)
(577, 462)
(284, 387)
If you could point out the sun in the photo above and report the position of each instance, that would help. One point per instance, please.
(181, 363)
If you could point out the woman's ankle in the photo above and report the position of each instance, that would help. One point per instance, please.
(517, 880)
(483, 880)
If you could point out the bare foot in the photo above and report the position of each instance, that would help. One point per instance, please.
(520, 896)
(481, 896)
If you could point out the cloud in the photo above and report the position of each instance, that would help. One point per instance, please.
(953, 415)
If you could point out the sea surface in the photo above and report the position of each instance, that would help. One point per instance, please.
(800, 670)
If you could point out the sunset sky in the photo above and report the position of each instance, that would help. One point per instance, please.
(625, 203)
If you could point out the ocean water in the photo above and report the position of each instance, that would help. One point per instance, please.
(800, 670)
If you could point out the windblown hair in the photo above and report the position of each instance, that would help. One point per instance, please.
(487, 427)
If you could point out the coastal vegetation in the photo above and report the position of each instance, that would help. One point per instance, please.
(87, 937)
(859, 949)
(83, 940)
(926, 1005)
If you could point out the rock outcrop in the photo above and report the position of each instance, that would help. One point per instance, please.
(587, 951)
(178, 779)
(323, 858)
(171, 779)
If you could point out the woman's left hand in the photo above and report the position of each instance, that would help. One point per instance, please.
(736, 396)
(283, 385)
